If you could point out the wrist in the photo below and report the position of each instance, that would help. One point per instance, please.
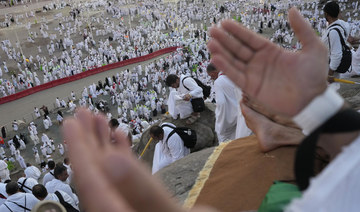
(319, 110)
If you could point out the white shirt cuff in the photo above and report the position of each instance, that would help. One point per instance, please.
(319, 110)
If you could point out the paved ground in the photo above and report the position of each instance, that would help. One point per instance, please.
(23, 108)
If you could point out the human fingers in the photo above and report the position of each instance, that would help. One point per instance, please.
(120, 139)
(232, 44)
(246, 36)
(102, 130)
(202, 208)
(236, 75)
(136, 185)
(303, 31)
(217, 49)
(90, 181)
(86, 119)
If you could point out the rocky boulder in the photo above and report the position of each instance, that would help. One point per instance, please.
(180, 176)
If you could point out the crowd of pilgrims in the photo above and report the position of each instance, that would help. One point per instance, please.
(158, 26)
(129, 93)
(135, 98)
(136, 95)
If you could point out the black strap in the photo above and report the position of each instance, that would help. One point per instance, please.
(61, 199)
(67, 205)
(171, 133)
(22, 185)
(23, 207)
(51, 173)
(7, 207)
(345, 121)
(331, 27)
(184, 84)
(341, 38)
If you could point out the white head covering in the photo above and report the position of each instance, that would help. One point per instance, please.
(32, 172)
(4, 171)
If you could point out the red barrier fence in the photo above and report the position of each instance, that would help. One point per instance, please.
(82, 75)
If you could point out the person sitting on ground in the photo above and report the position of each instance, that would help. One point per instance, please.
(180, 100)
(266, 73)
(50, 175)
(17, 201)
(40, 192)
(168, 149)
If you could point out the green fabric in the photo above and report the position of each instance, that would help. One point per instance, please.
(279, 196)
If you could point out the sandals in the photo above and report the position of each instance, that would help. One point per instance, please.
(192, 119)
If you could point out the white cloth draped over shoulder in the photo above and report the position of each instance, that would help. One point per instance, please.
(337, 187)
(333, 42)
(176, 104)
(167, 153)
(32, 172)
(19, 198)
(55, 185)
(230, 123)
(356, 62)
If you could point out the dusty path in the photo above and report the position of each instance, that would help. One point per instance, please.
(23, 108)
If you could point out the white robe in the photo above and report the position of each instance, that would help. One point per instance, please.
(19, 198)
(227, 110)
(22, 144)
(356, 62)
(32, 172)
(336, 188)
(242, 129)
(176, 103)
(46, 124)
(4, 171)
(61, 149)
(34, 138)
(44, 138)
(20, 159)
(167, 153)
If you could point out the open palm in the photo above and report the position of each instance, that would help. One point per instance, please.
(282, 80)
(107, 175)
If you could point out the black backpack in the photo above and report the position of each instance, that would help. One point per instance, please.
(346, 52)
(206, 89)
(67, 206)
(187, 135)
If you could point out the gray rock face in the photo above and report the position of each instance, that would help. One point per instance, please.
(351, 93)
(204, 128)
(180, 176)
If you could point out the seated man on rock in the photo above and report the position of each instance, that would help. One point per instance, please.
(169, 148)
(274, 77)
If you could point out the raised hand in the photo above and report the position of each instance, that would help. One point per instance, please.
(107, 175)
(283, 81)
